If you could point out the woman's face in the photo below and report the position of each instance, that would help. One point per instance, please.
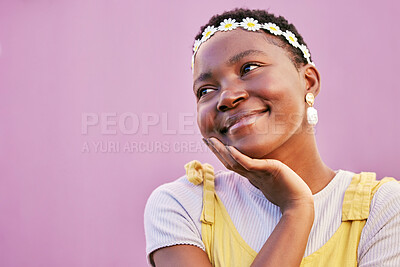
(249, 93)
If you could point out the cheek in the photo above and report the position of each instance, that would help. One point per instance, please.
(284, 94)
(268, 86)
(284, 90)
(205, 118)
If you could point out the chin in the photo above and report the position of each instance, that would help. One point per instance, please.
(252, 147)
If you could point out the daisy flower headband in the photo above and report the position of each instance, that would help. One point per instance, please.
(250, 24)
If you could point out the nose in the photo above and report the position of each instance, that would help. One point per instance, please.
(230, 98)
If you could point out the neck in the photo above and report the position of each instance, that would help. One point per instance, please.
(301, 154)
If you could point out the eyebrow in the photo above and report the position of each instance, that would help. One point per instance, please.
(203, 77)
(236, 58)
(233, 60)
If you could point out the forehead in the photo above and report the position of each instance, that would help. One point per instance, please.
(222, 46)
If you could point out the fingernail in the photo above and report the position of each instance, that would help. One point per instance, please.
(205, 141)
(210, 143)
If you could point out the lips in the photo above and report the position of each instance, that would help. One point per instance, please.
(241, 119)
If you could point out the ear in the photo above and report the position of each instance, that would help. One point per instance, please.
(312, 79)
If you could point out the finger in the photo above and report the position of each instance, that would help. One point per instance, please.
(228, 148)
(239, 157)
(221, 152)
(243, 170)
(224, 152)
(267, 165)
(216, 153)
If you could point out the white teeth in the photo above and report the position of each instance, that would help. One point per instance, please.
(243, 122)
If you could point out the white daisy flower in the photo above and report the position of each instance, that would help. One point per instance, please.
(291, 38)
(210, 30)
(228, 25)
(306, 52)
(273, 28)
(196, 45)
(250, 24)
(309, 62)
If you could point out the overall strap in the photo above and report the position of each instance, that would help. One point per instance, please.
(341, 249)
(358, 196)
(198, 173)
(223, 244)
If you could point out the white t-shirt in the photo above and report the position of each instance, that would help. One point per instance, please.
(172, 216)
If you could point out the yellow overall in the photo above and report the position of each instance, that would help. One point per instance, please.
(226, 248)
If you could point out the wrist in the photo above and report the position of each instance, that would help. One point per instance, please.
(300, 209)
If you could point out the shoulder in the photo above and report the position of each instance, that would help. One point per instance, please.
(385, 204)
(179, 196)
(184, 192)
(387, 191)
(171, 216)
(381, 234)
(173, 210)
(185, 198)
(176, 189)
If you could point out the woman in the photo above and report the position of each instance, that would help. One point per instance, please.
(255, 85)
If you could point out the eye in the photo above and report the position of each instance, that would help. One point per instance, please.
(203, 91)
(248, 67)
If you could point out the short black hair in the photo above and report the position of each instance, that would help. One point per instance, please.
(263, 16)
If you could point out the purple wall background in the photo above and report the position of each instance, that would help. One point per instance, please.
(61, 205)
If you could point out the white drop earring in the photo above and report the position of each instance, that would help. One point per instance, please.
(312, 114)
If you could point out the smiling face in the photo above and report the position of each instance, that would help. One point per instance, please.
(249, 93)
